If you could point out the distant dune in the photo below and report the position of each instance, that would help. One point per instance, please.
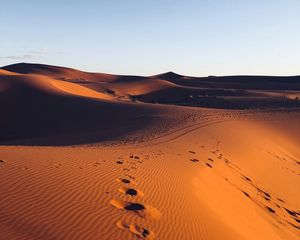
(102, 156)
(56, 100)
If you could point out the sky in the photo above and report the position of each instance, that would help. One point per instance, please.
(147, 37)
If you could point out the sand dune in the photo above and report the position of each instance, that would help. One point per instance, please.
(128, 169)
(56, 72)
(229, 92)
(38, 107)
(128, 90)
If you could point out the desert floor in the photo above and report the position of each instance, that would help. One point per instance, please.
(226, 175)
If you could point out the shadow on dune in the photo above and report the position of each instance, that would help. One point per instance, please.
(217, 98)
(31, 117)
(240, 82)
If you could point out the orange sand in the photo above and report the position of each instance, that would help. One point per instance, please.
(189, 173)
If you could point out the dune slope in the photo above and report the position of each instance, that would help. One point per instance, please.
(39, 107)
(213, 178)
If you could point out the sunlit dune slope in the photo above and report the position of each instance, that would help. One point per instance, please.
(137, 87)
(61, 73)
(213, 177)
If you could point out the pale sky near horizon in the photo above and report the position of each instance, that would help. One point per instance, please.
(146, 37)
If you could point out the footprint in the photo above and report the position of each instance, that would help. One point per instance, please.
(141, 232)
(194, 160)
(246, 194)
(137, 230)
(248, 179)
(123, 180)
(265, 195)
(131, 191)
(192, 152)
(207, 164)
(271, 210)
(134, 206)
(141, 210)
(292, 213)
(134, 157)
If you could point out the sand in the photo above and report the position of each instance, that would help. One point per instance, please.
(152, 171)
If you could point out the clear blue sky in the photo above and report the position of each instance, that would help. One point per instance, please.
(192, 37)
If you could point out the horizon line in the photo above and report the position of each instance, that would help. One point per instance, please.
(153, 75)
